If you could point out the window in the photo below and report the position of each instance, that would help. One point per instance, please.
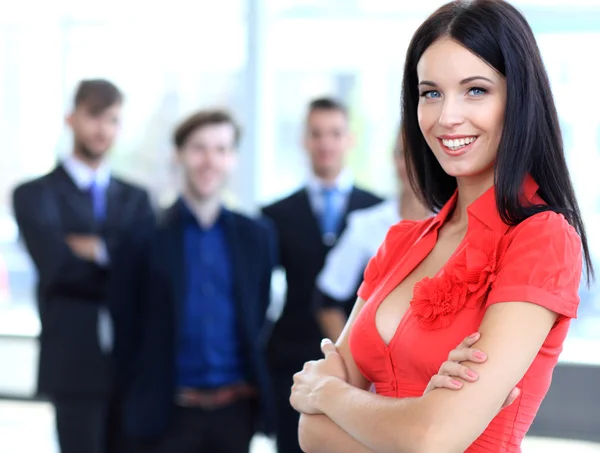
(570, 72)
(30, 120)
(167, 63)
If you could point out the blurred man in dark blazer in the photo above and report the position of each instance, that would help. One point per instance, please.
(308, 224)
(79, 222)
(201, 382)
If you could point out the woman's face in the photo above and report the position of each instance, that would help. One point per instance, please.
(461, 108)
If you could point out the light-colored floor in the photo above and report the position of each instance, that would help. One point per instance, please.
(28, 428)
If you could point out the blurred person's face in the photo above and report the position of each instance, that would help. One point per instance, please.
(94, 133)
(208, 157)
(327, 141)
(461, 108)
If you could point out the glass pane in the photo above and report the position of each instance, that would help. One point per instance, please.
(570, 71)
(126, 11)
(363, 69)
(31, 116)
(166, 69)
(164, 76)
(423, 7)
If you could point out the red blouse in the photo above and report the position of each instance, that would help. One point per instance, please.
(537, 261)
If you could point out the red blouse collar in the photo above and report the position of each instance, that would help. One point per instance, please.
(484, 208)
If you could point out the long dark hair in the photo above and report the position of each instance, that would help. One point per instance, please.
(531, 141)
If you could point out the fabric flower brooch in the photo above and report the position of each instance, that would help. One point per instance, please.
(437, 300)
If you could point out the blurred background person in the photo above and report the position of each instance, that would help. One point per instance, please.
(201, 379)
(77, 221)
(308, 224)
(340, 278)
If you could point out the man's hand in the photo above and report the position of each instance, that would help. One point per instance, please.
(84, 246)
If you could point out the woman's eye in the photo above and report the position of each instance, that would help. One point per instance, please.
(476, 91)
(431, 94)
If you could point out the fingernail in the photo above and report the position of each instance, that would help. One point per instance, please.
(325, 341)
(472, 374)
(479, 355)
(474, 335)
(456, 383)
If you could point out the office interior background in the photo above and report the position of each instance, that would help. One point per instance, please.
(263, 59)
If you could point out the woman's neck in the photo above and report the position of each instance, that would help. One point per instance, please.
(469, 190)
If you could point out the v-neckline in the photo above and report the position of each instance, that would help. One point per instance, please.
(401, 271)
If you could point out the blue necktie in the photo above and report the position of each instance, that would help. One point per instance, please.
(105, 329)
(98, 195)
(330, 216)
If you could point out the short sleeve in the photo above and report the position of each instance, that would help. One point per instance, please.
(542, 264)
(398, 239)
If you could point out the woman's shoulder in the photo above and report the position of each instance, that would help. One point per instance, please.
(546, 229)
(541, 263)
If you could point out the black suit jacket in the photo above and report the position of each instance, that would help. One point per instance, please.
(149, 400)
(296, 335)
(70, 289)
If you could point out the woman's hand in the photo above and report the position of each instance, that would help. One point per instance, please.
(314, 375)
(452, 369)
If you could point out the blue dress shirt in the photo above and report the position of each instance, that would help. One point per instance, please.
(209, 353)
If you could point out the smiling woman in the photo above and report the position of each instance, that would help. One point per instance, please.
(502, 257)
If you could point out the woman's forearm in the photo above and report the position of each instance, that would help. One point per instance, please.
(318, 434)
(381, 424)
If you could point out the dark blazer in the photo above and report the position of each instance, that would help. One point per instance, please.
(296, 335)
(70, 289)
(149, 400)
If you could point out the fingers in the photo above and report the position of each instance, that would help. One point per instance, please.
(307, 366)
(469, 341)
(456, 370)
(470, 354)
(327, 347)
(452, 368)
(448, 382)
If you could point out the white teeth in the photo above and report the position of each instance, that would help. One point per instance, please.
(458, 143)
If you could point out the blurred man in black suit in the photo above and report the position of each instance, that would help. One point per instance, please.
(81, 225)
(308, 224)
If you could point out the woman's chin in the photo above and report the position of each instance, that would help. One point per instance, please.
(466, 171)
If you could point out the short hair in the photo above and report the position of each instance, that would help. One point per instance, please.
(531, 141)
(202, 119)
(97, 95)
(327, 103)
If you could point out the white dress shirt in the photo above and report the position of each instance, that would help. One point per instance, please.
(83, 176)
(363, 236)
